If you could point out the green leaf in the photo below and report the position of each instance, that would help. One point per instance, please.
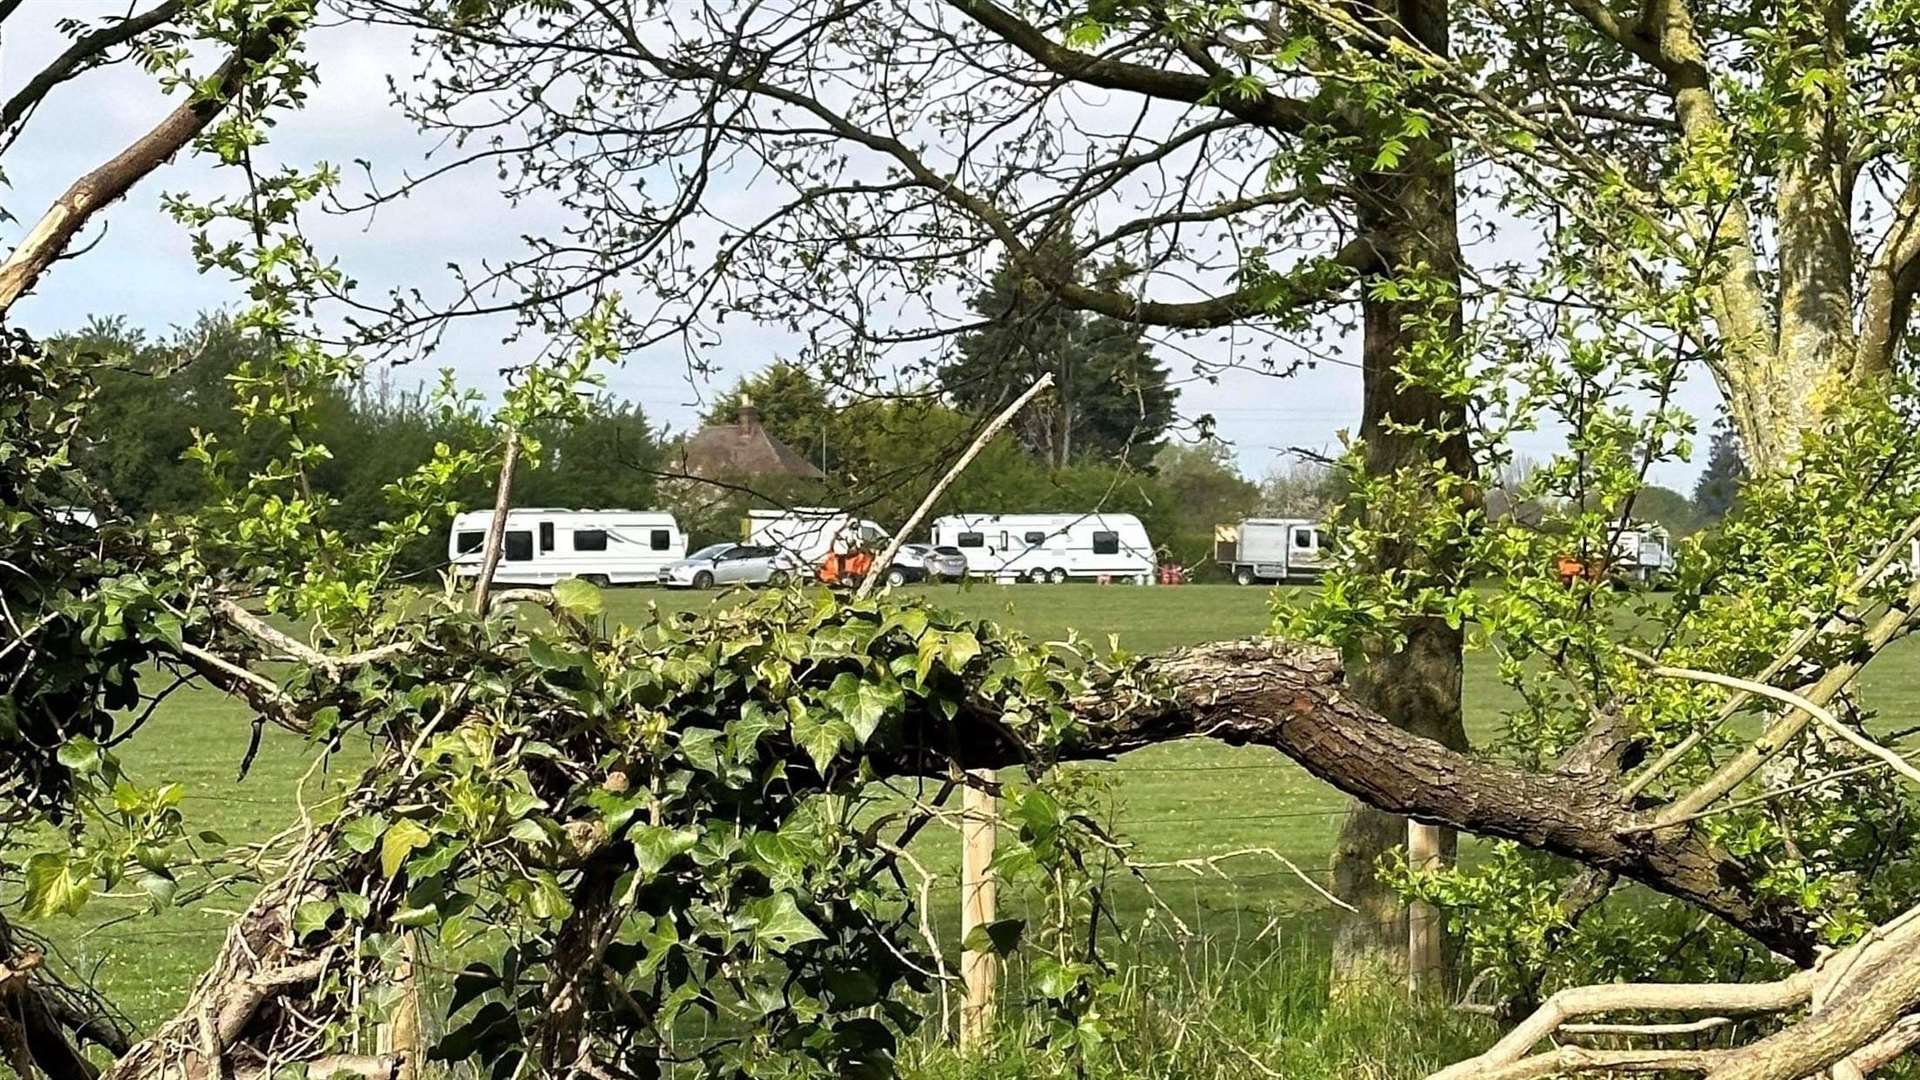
(362, 834)
(159, 888)
(79, 754)
(962, 647)
(654, 846)
(580, 599)
(405, 837)
(820, 738)
(52, 888)
(999, 938)
(313, 916)
(779, 924)
(863, 703)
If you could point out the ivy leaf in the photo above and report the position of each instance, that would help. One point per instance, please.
(862, 703)
(52, 888)
(779, 924)
(401, 841)
(312, 915)
(362, 834)
(578, 598)
(961, 648)
(654, 846)
(821, 739)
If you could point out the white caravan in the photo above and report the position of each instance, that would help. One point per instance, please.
(809, 533)
(542, 546)
(1272, 549)
(1050, 547)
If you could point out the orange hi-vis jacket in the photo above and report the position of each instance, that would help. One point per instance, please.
(848, 569)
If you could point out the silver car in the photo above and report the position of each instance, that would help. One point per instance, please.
(925, 562)
(730, 564)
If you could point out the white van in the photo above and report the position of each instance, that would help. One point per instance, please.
(808, 533)
(542, 546)
(1050, 547)
(1272, 549)
(1643, 552)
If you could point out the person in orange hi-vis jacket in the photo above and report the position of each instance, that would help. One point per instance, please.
(846, 565)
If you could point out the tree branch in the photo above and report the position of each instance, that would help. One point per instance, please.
(84, 52)
(1266, 109)
(1288, 696)
(51, 235)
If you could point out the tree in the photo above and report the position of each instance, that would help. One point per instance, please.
(1205, 489)
(1669, 509)
(1304, 489)
(641, 813)
(1109, 401)
(793, 405)
(1719, 484)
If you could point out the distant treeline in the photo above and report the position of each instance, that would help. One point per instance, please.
(880, 453)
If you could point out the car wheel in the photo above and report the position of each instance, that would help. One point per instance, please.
(1244, 575)
(1058, 576)
(703, 580)
(896, 577)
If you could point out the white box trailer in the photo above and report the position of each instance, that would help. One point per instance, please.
(1260, 550)
(1050, 547)
(545, 545)
(809, 533)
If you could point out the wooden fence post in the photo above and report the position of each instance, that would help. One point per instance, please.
(978, 814)
(1426, 960)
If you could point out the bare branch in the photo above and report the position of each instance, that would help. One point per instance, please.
(85, 52)
(994, 426)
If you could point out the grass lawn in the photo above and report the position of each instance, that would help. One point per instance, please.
(1173, 801)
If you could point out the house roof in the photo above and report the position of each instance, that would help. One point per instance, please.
(743, 448)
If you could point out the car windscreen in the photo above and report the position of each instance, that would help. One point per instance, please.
(711, 551)
(949, 550)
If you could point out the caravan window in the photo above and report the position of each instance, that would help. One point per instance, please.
(660, 539)
(1036, 538)
(519, 547)
(589, 539)
(972, 539)
(1106, 543)
(546, 536)
(470, 541)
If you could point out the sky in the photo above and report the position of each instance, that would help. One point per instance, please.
(141, 267)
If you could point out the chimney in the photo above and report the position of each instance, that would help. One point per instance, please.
(749, 417)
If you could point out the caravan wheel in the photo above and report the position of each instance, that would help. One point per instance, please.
(1037, 576)
(599, 581)
(1058, 576)
(1244, 575)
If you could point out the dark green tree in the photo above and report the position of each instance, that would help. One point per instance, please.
(1719, 485)
(1110, 401)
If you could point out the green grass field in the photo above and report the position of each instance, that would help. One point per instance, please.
(1172, 801)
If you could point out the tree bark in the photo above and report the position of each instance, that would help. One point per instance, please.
(1409, 216)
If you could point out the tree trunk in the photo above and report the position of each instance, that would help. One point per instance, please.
(1409, 216)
